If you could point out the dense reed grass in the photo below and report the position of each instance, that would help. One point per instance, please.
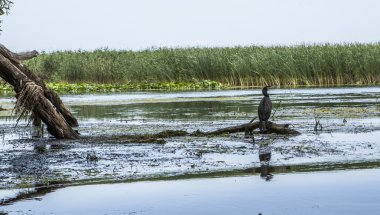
(319, 65)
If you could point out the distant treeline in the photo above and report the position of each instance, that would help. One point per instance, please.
(319, 65)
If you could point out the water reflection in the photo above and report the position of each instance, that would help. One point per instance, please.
(15, 195)
(265, 153)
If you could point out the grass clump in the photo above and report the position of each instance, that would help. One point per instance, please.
(310, 65)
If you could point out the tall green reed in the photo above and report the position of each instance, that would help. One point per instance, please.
(319, 65)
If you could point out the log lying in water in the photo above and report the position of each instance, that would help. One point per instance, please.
(33, 95)
(249, 127)
(159, 138)
(150, 138)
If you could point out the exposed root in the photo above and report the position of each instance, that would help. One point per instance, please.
(26, 99)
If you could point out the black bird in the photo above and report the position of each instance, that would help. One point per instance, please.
(264, 110)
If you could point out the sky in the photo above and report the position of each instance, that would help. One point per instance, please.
(51, 25)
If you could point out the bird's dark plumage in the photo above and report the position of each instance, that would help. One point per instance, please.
(264, 109)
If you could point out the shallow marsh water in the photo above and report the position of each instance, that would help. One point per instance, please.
(350, 136)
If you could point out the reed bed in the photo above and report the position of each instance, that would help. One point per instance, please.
(309, 65)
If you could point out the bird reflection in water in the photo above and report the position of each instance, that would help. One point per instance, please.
(265, 156)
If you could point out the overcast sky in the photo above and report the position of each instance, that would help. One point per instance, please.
(124, 24)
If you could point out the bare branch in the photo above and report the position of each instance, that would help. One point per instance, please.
(17, 57)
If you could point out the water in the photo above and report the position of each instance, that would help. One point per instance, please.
(349, 139)
(339, 192)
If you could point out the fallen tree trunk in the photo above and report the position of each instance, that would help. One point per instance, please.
(53, 97)
(33, 95)
(61, 108)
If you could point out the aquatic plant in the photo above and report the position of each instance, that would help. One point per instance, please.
(317, 65)
(64, 87)
(94, 87)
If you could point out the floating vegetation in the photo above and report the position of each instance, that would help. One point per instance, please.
(64, 87)
(310, 65)
(5, 87)
(94, 87)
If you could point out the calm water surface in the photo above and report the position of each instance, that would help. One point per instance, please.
(342, 192)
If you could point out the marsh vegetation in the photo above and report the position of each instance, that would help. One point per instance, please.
(308, 65)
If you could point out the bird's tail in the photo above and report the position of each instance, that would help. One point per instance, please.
(263, 126)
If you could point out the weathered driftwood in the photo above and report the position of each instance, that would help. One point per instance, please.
(33, 95)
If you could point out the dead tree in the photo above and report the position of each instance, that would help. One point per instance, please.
(34, 96)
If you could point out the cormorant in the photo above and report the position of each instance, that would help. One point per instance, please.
(264, 110)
